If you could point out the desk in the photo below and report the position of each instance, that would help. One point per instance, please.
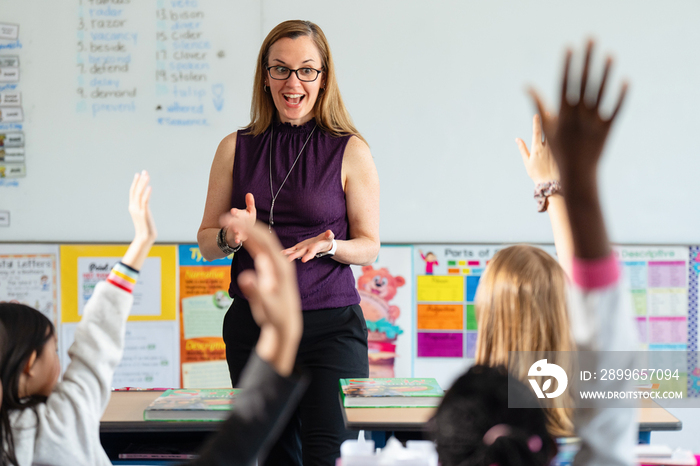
(122, 425)
(123, 422)
(654, 417)
(651, 417)
(124, 413)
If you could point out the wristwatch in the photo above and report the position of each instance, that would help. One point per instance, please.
(330, 252)
(223, 245)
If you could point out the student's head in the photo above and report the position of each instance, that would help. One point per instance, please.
(29, 368)
(474, 426)
(295, 45)
(521, 306)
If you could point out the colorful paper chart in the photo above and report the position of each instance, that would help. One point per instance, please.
(204, 301)
(447, 277)
(657, 280)
(29, 275)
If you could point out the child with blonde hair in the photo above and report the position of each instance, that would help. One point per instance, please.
(523, 291)
(521, 306)
(521, 302)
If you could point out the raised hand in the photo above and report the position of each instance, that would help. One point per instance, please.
(539, 162)
(144, 227)
(541, 168)
(577, 135)
(273, 293)
(139, 209)
(307, 250)
(235, 235)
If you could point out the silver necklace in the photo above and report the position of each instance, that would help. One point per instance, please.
(274, 195)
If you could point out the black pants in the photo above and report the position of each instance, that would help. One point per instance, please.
(333, 346)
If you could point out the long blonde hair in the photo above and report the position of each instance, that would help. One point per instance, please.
(521, 306)
(329, 109)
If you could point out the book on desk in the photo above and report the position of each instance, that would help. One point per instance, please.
(192, 404)
(391, 393)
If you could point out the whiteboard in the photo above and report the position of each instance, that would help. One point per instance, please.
(437, 88)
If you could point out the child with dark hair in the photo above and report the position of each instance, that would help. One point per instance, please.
(34, 347)
(474, 426)
(46, 422)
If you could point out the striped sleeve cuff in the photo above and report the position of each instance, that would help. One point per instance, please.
(124, 277)
(596, 273)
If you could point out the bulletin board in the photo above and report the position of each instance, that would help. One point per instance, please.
(92, 91)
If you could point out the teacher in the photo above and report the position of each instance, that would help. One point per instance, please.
(303, 169)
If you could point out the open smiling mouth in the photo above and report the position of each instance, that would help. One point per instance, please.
(294, 98)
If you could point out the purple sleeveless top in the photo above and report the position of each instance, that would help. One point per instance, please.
(311, 201)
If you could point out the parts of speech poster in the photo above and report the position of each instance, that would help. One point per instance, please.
(29, 275)
(385, 289)
(204, 301)
(446, 281)
(151, 356)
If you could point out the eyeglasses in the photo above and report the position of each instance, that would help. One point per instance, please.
(281, 73)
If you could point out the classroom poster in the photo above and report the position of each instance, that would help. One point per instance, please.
(656, 279)
(92, 270)
(446, 281)
(204, 301)
(385, 289)
(150, 354)
(151, 349)
(29, 275)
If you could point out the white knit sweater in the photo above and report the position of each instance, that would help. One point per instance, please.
(66, 429)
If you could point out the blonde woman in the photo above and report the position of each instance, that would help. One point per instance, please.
(303, 169)
(521, 299)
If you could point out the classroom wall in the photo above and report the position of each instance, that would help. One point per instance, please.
(437, 88)
(443, 139)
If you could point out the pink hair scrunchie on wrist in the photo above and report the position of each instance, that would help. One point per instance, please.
(543, 191)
